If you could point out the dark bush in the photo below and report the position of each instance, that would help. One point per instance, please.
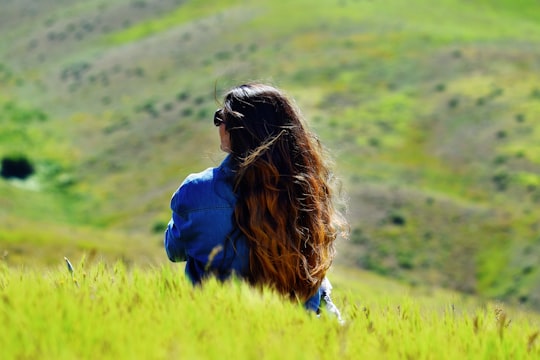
(501, 134)
(520, 118)
(374, 142)
(186, 112)
(453, 103)
(440, 87)
(397, 219)
(495, 93)
(16, 167)
(358, 236)
(501, 181)
(199, 100)
(203, 114)
(500, 159)
(168, 107)
(139, 4)
(159, 227)
(527, 270)
(405, 260)
(223, 55)
(148, 107)
(182, 96)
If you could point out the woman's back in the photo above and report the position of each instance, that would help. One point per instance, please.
(282, 201)
(201, 230)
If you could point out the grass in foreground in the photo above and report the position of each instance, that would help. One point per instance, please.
(111, 312)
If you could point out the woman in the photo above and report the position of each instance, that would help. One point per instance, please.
(266, 213)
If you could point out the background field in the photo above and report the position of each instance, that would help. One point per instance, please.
(431, 113)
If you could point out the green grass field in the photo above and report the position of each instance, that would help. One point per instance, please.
(103, 311)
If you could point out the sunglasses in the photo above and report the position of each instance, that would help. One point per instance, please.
(217, 119)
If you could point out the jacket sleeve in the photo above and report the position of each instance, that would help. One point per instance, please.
(314, 302)
(178, 229)
(173, 244)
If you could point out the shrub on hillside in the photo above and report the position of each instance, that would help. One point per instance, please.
(182, 96)
(501, 180)
(16, 166)
(22, 115)
(358, 236)
(159, 227)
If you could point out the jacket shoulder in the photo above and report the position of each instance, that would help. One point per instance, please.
(203, 191)
(191, 190)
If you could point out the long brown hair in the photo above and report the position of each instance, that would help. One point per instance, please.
(283, 184)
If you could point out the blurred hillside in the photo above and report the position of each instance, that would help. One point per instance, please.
(431, 113)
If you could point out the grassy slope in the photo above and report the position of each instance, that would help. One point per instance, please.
(108, 312)
(430, 112)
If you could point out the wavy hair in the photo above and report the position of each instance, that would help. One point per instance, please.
(283, 183)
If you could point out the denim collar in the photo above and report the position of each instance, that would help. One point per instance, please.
(228, 166)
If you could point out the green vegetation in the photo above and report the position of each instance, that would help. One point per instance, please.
(184, 14)
(112, 313)
(430, 112)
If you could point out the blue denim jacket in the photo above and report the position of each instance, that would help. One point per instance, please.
(201, 230)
